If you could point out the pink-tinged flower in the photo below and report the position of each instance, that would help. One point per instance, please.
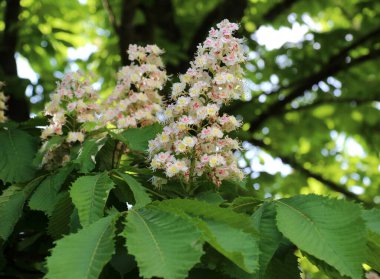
(211, 133)
(222, 172)
(229, 123)
(71, 106)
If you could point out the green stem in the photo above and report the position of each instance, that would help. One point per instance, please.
(189, 185)
(155, 193)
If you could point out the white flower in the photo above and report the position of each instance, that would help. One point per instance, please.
(216, 160)
(178, 87)
(75, 136)
(189, 141)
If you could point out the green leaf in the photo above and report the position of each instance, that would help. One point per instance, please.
(84, 254)
(328, 270)
(11, 205)
(372, 219)
(270, 238)
(204, 210)
(230, 233)
(59, 220)
(164, 244)
(89, 195)
(46, 195)
(284, 267)
(87, 153)
(245, 204)
(206, 273)
(138, 138)
(330, 230)
(373, 250)
(17, 150)
(210, 197)
(238, 246)
(141, 197)
(104, 158)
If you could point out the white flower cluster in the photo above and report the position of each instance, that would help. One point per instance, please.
(72, 105)
(135, 101)
(193, 143)
(3, 106)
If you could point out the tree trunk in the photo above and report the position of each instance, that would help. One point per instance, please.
(18, 105)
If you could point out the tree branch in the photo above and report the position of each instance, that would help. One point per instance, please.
(18, 105)
(278, 9)
(336, 64)
(10, 37)
(126, 31)
(335, 101)
(299, 167)
(111, 15)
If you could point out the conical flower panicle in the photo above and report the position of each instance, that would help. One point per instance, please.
(135, 101)
(72, 105)
(194, 141)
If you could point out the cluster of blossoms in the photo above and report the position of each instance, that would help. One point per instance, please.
(193, 143)
(71, 107)
(3, 106)
(135, 101)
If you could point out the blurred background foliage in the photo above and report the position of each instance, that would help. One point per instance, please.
(311, 110)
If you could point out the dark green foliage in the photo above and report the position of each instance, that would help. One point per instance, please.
(17, 149)
(312, 104)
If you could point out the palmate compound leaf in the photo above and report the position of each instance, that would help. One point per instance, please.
(83, 255)
(164, 244)
(330, 230)
(46, 195)
(230, 233)
(87, 154)
(141, 197)
(11, 205)
(89, 195)
(17, 150)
